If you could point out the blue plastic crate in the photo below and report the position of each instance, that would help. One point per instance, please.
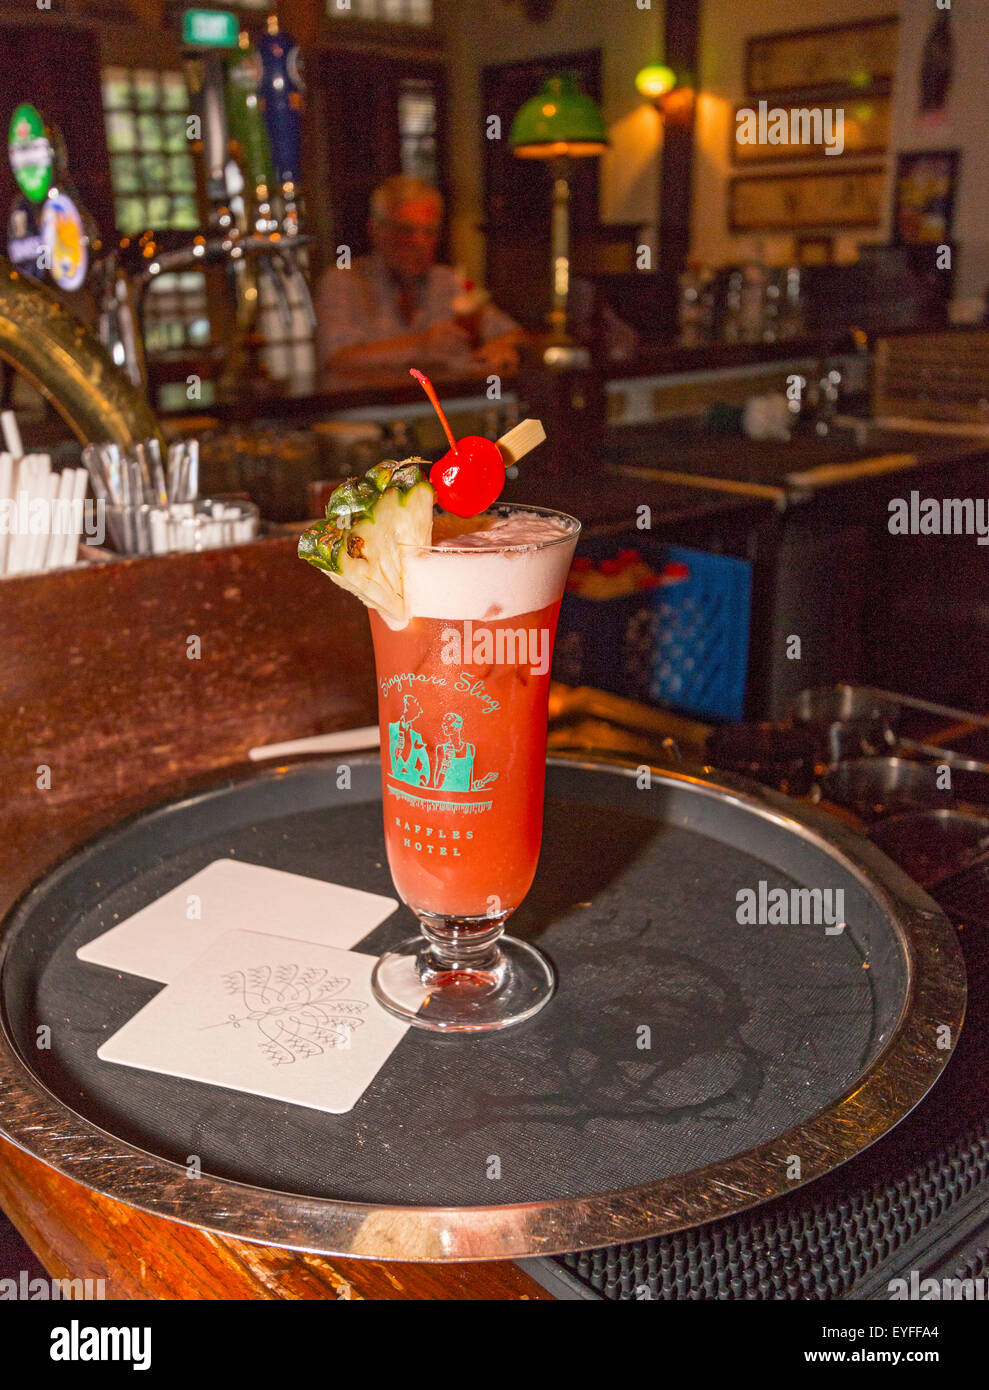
(684, 645)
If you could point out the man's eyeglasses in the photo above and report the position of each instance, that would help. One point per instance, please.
(428, 231)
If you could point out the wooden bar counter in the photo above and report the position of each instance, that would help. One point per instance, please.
(101, 685)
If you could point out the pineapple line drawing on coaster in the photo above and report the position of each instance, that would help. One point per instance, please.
(298, 1012)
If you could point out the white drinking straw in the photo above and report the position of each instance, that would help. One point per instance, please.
(57, 540)
(11, 434)
(22, 483)
(159, 531)
(11, 546)
(6, 472)
(33, 557)
(74, 482)
(20, 542)
(47, 491)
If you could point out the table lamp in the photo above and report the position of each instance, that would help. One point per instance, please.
(561, 123)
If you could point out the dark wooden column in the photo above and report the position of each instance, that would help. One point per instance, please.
(682, 24)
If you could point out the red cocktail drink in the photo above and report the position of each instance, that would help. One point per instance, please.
(464, 749)
(463, 688)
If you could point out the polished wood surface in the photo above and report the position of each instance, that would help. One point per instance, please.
(96, 684)
(79, 1235)
(119, 680)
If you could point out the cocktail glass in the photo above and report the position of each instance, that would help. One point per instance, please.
(463, 692)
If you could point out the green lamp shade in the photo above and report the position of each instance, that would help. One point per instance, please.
(655, 81)
(561, 119)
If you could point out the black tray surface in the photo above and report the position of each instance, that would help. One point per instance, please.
(561, 1133)
(752, 1028)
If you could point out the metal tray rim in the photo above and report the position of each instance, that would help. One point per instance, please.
(41, 1124)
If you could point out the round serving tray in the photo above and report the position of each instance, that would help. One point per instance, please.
(689, 1066)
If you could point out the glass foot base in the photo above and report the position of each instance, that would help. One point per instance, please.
(408, 985)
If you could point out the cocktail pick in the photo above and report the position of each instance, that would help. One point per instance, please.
(520, 441)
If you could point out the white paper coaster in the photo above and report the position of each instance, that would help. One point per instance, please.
(268, 1015)
(163, 938)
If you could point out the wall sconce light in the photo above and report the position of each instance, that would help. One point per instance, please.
(655, 81)
(672, 94)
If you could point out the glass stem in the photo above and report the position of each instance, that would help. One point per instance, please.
(462, 943)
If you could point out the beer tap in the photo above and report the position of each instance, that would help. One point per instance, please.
(263, 252)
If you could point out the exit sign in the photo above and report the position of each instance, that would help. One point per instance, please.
(210, 28)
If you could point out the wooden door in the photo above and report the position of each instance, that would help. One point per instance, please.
(359, 134)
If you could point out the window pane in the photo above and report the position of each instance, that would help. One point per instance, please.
(146, 90)
(185, 215)
(174, 134)
(154, 170)
(159, 207)
(150, 133)
(198, 330)
(416, 109)
(121, 132)
(130, 215)
(174, 95)
(417, 127)
(183, 174)
(116, 87)
(124, 173)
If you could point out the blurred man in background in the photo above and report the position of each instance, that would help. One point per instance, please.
(397, 307)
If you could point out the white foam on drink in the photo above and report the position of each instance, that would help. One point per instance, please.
(477, 576)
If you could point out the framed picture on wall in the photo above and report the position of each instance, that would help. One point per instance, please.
(806, 129)
(842, 58)
(814, 248)
(924, 192)
(788, 202)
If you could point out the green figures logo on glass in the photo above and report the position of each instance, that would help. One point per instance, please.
(448, 767)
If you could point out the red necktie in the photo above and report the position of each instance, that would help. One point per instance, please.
(407, 303)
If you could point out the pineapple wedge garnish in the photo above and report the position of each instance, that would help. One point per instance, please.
(367, 520)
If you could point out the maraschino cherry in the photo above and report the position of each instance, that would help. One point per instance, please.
(471, 474)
